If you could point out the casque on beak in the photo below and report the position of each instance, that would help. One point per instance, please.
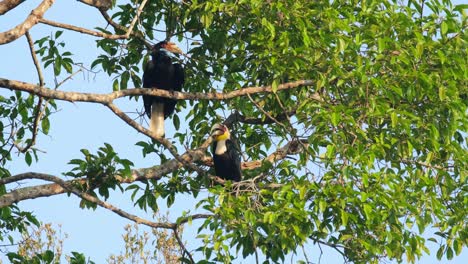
(217, 130)
(172, 47)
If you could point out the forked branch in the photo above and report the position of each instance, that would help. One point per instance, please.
(31, 20)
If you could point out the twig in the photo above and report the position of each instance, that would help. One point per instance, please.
(38, 111)
(68, 78)
(35, 60)
(81, 30)
(166, 143)
(305, 254)
(181, 244)
(117, 26)
(137, 15)
(266, 113)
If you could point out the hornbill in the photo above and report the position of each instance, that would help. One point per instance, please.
(226, 156)
(161, 73)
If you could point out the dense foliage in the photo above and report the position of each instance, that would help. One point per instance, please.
(381, 135)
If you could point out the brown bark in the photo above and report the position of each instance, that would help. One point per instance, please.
(7, 5)
(107, 98)
(31, 20)
(100, 4)
(156, 172)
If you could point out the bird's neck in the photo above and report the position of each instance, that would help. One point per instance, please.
(220, 147)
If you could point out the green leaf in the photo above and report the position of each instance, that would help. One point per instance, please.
(176, 121)
(394, 118)
(57, 65)
(442, 93)
(443, 28)
(449, 253)
(274, 86)
(440, 252)
(58, 34)
(115, 85)
(45, 125)
(28, 158)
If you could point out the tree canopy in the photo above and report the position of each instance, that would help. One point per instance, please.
(351, 117)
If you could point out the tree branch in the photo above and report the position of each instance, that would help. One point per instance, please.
(238, 117)
(117, 26)
(181, 244)
(31, 20)
(68, 185)
(100, 4)
(81, 30)
(96, 33)
(166, 143)
(7, 5)
(38, 111)
(156, 172)
(107, 98)
(137, 15)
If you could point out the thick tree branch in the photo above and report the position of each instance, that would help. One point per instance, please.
(7, 5)
(68, 186)
(31, 20)
(107, 98)
(156, 172)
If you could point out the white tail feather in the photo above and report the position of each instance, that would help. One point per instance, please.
(157, 119)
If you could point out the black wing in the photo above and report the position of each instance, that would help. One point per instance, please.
(234, 156)
(179, 77)
(177, 83)
(148, 75)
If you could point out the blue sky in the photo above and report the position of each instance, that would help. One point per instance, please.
(83, 125)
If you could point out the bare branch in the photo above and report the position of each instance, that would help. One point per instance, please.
(35, 60)
(117, 26)
(81, 30)
(7, 5)
(137, 15)
(266, 113)
(93, 32)
(31, 20)
(182, 246)
(38, 112)
(100, 4)
(238, 117)
(166, 143)
(107, 98)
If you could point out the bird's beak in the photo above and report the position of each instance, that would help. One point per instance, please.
(172, 47)
(217, 131)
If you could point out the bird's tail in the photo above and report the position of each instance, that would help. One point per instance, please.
(157, 119)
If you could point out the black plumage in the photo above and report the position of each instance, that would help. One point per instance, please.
(228, 163)
(160, 72)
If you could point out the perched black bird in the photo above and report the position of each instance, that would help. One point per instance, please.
(161, 73)
(226, 156)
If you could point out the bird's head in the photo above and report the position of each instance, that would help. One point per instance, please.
(220, 132)
(167, 45)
